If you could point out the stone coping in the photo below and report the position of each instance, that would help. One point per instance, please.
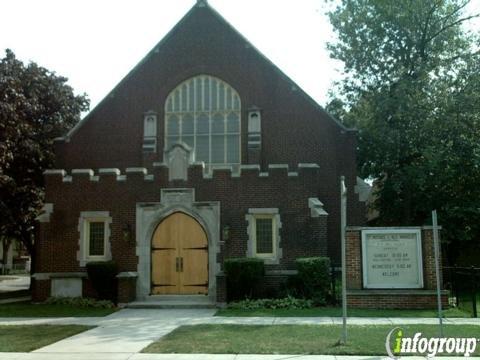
(59, 275)
(273, 170)
(394, 292)
(357, 228)
(271, 273)
(127, 275)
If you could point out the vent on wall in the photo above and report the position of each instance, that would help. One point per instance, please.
(254, 129)
(150, 132)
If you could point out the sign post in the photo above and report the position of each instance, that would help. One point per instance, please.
(437, 269)
(343, 222)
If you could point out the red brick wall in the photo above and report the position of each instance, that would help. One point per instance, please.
(424, 298)
(294, 128)
(40, 290)
(300, 235)
(394, 301)
(126, 290)
(430, 281)
(354, 259)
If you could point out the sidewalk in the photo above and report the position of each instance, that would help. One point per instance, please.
(126, 356)
(205, 316)
(123, 334)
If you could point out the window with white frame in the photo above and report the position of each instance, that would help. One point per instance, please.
(204, 113)
(95, 237)
(94, 227)
(264, 234)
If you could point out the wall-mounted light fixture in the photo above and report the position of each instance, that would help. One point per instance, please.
(226, 233)
(127, 232)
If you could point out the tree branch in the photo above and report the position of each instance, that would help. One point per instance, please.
(459, 21)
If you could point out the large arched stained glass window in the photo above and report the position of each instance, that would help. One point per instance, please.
(204, 113)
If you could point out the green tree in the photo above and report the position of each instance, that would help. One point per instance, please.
(36, 106)
(412, 90)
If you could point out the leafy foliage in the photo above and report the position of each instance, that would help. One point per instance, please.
(81, 302)
(288, 302)
(36, 106)
(314, 278)
(102, 275)
(244, 275)
(412, 88)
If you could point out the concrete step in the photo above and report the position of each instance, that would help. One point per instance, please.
(173, 302)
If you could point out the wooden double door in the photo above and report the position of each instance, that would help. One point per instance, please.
(179, 256)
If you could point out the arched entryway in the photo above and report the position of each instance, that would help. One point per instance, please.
(179, 256)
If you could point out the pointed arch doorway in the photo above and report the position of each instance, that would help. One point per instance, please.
(179, 256)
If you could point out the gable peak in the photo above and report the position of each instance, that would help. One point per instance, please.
(202, 3)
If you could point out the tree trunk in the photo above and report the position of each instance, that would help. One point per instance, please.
(6, 243)
(28, 242)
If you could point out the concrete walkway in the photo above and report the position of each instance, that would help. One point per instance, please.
(125, 333)
(124, 356)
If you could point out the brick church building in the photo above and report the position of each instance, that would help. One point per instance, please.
(204, 151)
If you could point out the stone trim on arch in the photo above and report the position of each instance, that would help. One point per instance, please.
(149, 215)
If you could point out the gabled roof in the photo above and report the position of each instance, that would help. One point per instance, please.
(190, 13)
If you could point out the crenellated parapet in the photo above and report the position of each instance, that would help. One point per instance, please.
(196, 172)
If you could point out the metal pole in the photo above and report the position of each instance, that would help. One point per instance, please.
(343, 222)
(474, 292)
(437, 269)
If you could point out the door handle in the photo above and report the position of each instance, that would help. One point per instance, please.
(179, 264)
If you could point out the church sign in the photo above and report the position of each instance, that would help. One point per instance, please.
(392, 259)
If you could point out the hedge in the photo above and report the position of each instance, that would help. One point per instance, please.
(314, 276)
(244, 276)
(102, 275)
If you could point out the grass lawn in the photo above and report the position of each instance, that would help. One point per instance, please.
(466, 303)
(331, 311)
(290, 339)
(27, 309)
(24, 338)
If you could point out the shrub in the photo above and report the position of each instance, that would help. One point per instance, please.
(244, 276)
(80, 302)
(314, 277)
(288, 302)
(102, 275)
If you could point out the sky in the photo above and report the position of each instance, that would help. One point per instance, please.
(95, 43)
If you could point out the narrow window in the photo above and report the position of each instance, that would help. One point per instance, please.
(254, 129)
(263, 230)
(94, 242)
(264, 243)
(264, 235)
(96, 238)
(150, 132)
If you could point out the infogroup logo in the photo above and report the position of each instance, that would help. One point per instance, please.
(430, 347)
